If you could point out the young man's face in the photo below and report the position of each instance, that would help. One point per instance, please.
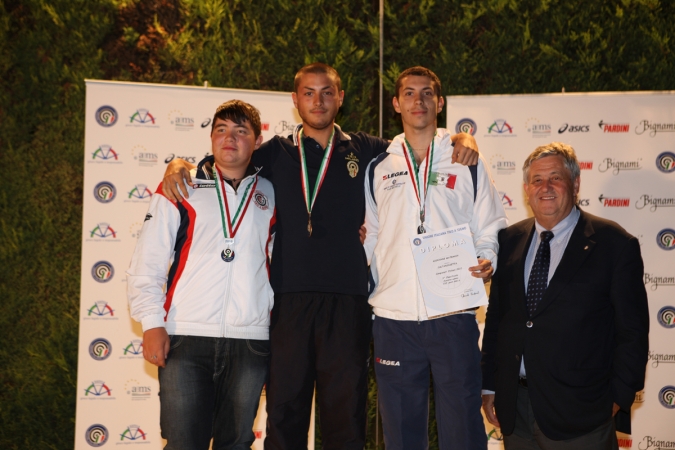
(233, 144)
(417, 102)
(318, 100)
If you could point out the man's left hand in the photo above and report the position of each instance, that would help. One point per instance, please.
(466, 149)
(482, 270)
(615, 409)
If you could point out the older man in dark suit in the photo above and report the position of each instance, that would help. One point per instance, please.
(566, 332)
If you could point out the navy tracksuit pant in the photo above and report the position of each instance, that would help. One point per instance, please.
(406, 352)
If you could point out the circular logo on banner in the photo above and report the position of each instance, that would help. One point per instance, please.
(666, 316)
(106, 116)
(96, 435)
(105, 192)
(102, 271)
(666, 239)
(665, 162)
(260, 200)
(667, 397)
(100, 349)
(466, 125)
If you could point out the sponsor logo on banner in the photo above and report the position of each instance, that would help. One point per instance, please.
(206, 122)
(132, 433)
(667, 397)
(100, 310)
(625, 442)
(172, 156)
(133, 350)
(284, 128)
(538, 130)
(104, 153)
(666, 239)
(180, 122)
(586, 165)
(102, 271)
(106, 116)
(617, 166)
(655, 443)
(502, 167)
(142, 118)
(665, 162)
(264, 126)
(143, 156)
(666, 315)
(136, 391)
(506, 200)
(584, 202)
(654, 202)
(103, 232)
(105, 192)
(466, 125)
(614, 127)
(614, 202)
(135, 229)
(661, 358)
(139, 193)
(653, 127)
(500, 128)
(98, 390)
(567, 128)
(100, 349)
(96, 435)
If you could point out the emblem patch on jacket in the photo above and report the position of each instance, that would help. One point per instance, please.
(260, 200)
(352, 164)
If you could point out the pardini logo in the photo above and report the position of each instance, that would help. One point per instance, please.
(665, 162)
(585, 165)
(100, 349)
(614, 202)
(102, 271)
(617, 166)
(614, 127)
(96, 435)
(666, 316)
(666, 239)
(574, 128)
(105, 192)
(667, 397)
(466, 125)
(386, 362)
(106, 116)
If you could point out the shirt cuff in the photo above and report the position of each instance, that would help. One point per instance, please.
(152, 321)
(486, 392)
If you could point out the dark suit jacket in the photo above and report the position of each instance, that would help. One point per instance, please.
(588, 344)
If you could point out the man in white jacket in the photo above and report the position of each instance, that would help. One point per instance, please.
(411, 189)
(198, 283)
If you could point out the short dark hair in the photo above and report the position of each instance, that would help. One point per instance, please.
(317, 68)
(238, 112)
(419, 71)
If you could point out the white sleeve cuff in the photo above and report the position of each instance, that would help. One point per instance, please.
(152, 321)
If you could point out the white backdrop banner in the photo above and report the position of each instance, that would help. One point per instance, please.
(132, 131)
(625, 143)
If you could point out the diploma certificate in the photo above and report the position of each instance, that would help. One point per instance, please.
(442, 259)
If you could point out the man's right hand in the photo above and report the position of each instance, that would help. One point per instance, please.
(176, 176)
(156, 345)
(489, 408)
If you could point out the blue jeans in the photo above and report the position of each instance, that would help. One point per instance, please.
(211, 387)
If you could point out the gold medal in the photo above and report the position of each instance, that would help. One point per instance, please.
(309, 226)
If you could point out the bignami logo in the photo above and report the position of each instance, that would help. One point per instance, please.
(654, 202)
(96, 435)
(100, 349)
(102, 271)
(105, 192)
(617, 166)
(661, 358)
(654, 443)
(653, 127)
(655, 281)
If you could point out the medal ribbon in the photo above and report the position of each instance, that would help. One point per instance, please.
(310, 199)
(229, 230)
(414, 170)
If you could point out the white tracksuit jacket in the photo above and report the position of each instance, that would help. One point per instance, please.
(177, 278)
(392, 217)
